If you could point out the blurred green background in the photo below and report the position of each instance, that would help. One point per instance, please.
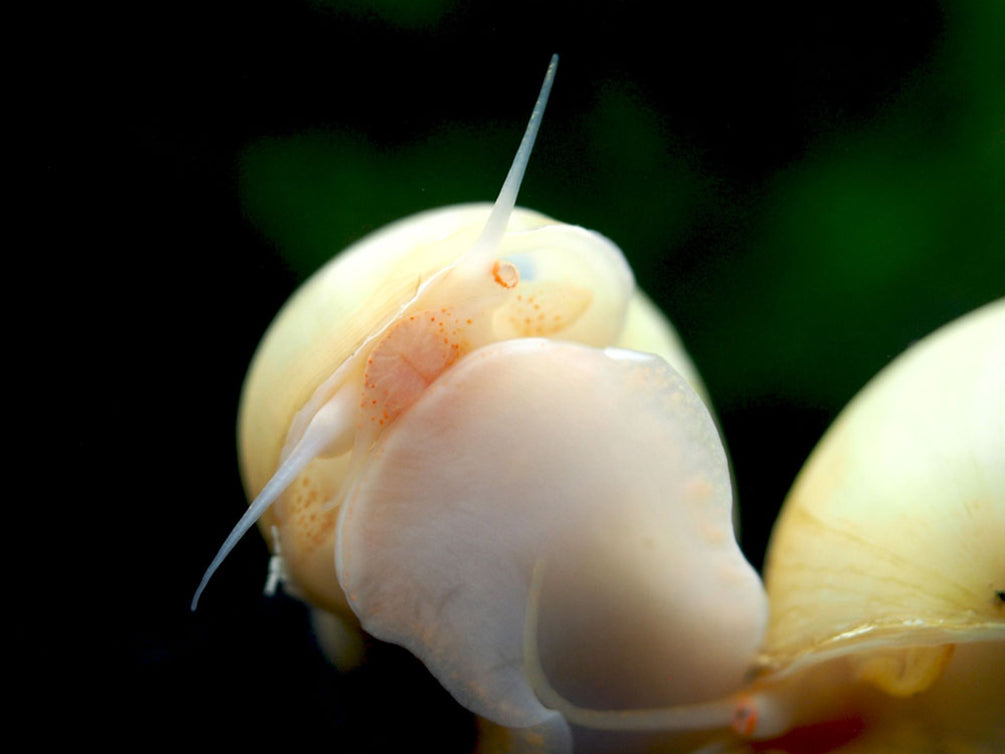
(803, 190)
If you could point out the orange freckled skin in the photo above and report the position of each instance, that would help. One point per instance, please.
(302, 513)
(542, 309)
(414, 352)
(307, 529)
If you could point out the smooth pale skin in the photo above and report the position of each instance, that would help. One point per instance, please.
(601, 468)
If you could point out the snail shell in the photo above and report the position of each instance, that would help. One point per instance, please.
(886, 569)
(893, 532)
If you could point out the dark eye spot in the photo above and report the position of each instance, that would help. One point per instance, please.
(1000, 597)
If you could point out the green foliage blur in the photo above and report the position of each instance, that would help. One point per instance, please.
(878, 222)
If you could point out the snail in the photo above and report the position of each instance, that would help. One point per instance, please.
(470, 434)
(474, 336)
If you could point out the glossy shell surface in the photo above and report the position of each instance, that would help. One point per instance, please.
(892, 534)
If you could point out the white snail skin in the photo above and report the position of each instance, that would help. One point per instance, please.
(483, 480)
(472, 434)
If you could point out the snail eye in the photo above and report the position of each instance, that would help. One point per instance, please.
(505, 274)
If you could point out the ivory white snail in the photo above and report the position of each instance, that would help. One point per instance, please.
(416, 413)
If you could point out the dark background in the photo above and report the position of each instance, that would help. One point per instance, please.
(804, 190)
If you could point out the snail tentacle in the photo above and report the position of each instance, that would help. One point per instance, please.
(495, 227)
(329, 433)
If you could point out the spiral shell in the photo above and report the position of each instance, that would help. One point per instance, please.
(892, 534)
(886, 571)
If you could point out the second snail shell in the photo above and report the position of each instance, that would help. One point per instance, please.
(897, 519)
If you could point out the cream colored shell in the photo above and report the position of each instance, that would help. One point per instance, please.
(893, 532)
